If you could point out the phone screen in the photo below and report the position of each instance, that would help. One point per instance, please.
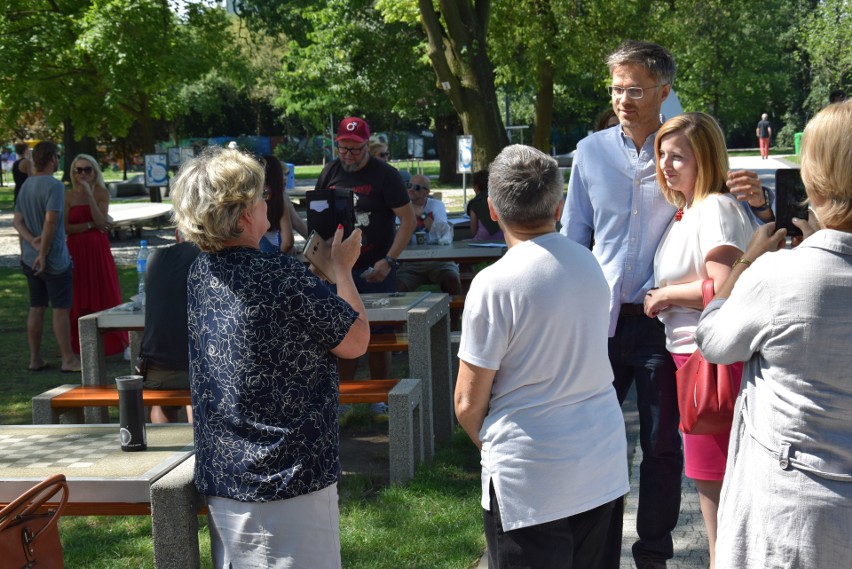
(343, 212)
(790, 199)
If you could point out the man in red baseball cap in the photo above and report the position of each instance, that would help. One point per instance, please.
(380, 197)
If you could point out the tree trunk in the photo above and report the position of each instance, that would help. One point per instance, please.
(146, 126)
(447, 128)
(72, 147)
(464, 71)
(543, 106)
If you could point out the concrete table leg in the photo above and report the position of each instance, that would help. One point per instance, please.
(405, 429)
(429, 360)
(93, 363)
(174, 519)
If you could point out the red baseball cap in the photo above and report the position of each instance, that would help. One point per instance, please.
(353, 128)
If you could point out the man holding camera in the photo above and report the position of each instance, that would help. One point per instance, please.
(380, 197)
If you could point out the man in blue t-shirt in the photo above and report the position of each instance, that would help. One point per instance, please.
(45, 260)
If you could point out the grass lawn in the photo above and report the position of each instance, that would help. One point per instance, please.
(433, 522)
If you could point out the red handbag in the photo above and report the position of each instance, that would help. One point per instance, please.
(706, 393)
(29, 535)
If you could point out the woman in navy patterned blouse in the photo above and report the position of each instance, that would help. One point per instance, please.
(264, 337)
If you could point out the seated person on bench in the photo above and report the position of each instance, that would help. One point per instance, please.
(429, 213)
(164, 354)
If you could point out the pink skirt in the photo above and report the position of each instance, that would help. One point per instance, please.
(704, 456)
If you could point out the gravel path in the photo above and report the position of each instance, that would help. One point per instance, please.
(123, 250)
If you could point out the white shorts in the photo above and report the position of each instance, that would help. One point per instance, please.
(297, 533)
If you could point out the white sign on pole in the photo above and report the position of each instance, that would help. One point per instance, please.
(174, 156)
(156, 172)
(465, 155)
(186, 154)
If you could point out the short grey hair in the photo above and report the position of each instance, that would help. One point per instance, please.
(525, 185)
(210, 193)
(653, 57)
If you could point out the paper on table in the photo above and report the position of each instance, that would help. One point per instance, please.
(455, 220)
(500, 245)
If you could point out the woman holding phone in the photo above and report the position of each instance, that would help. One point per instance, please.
(708, 234)
(787, 500)
(264, 338)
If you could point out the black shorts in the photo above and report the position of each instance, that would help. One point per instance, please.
(54, 288)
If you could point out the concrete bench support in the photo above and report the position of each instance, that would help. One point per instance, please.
(175, 504)
(405, 429)
(45, 414)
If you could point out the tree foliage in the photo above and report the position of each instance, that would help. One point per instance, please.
(733, 56)
(827, 42)
(105, 64)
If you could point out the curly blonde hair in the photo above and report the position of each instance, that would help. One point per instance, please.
(211, 192)
(827, 164)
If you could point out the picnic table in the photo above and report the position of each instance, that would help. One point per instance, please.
(426, 314)
(133, 214)
(104, 480)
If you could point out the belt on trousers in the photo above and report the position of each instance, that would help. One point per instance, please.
(632, 310)
(784, 454)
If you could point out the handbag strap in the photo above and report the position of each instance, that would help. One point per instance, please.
(708, 291)
(33, 499)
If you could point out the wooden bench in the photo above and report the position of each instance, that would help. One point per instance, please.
(404, 398)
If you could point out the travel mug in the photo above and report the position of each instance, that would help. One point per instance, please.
(131, 413)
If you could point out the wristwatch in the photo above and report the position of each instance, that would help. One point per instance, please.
(765, 205)
(394, 264)
(423, 216)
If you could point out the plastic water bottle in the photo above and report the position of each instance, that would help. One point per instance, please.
(142, 265)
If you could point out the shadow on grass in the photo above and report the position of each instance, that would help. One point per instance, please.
(433, 522)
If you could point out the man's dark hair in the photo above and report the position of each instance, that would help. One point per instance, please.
(480, 180)
(20, 148)
(837, 96)
(43, 153)
(653, 57)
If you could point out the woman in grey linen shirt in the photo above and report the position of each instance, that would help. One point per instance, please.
(787, 496)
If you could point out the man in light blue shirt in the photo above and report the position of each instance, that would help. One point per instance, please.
(614, 202)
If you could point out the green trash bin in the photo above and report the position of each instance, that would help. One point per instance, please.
(797, 142)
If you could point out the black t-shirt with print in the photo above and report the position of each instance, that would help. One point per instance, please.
(378, 189)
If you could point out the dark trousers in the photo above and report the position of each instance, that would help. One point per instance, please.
(573, 542)
(638, 353)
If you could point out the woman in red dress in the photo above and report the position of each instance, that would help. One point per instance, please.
(87, 224)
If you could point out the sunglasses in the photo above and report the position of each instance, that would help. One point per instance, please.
(384, 154)
(83, 169)
(416, 187)
(267, 193)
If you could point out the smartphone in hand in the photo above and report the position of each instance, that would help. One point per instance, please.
(790, 200)
(318, 253)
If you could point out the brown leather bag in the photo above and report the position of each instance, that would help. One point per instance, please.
(29, 534)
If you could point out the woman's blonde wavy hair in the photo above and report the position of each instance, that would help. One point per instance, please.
(827, 164)
(708, 145)
(210, 193)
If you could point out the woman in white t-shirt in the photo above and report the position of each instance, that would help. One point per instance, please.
(708, 234)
